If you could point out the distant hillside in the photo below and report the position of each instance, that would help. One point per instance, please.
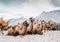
(52, 15)
(14, 21)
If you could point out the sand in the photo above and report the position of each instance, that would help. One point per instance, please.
(48, 36)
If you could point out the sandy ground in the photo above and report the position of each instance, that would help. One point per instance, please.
(48, 36)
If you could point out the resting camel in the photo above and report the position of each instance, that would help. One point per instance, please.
(11, 31)
(30, 26)
(21, 28)
(37, 27)
(49, 24)
(43, 25)
(3, 24)
(1, 21)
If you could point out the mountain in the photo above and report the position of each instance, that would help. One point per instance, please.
(52, 15)
(14, 21)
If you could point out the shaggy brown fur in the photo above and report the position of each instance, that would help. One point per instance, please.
(49, 24)
(37, 27)
(21, 28)
(34, 26)
(30, 27)
(11, 31)
(3, 24)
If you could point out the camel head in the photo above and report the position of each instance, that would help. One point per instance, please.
(25, 23)
(49, 24)
(31, 19)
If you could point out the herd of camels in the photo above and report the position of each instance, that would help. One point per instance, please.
(33, 26)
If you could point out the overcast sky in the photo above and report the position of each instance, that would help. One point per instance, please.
(27, 8)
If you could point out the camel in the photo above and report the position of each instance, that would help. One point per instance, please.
(49, 24)
(18, 29)
(1, 21)
(3, 24)
(43, 25)
(11, 31)
(37, 27)
(30, 26)
(21, 28)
